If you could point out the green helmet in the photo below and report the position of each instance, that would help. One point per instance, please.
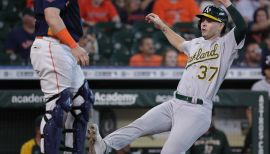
(215, 13)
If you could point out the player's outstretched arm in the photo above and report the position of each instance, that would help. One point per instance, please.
(58, 29)
(175, 39)
(240, 24)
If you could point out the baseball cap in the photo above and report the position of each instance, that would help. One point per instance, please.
(215, 13)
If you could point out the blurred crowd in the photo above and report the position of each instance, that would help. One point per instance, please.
(116, 34)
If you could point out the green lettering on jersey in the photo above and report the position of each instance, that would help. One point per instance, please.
(201, 56)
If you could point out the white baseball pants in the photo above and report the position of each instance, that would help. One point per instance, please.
(185, 121)
(57, 69)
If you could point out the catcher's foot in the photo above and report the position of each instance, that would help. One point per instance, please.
(96, 144)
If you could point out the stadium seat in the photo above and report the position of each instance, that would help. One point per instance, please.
(4, 30)
(160, 42)
(187, 30)
(4, 59)
(124, 37)
(121, 55)
(105, 46)
(107, 28)
(143, 28)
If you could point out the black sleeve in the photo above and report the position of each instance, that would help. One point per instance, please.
(241, 26)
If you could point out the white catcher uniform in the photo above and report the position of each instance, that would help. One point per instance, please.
(209, 61)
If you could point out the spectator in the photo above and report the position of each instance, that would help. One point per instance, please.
(265, 47)
(182, 59)
(205, 3)
(266, 4)
(131, 11)
(252, 56)
(264, 84)
(261, 85)
(89, 40)
(173, 11)
(32, 146)
(90, 45)
(214, 141)
(147, 5)
(135, 11)
(247, 8)
(170, 58)
(260, 26)
(120, 6)
(96, 11)
(19, 41)
(146, 55)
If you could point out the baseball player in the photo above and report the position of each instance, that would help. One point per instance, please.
(55, 56)
(188, 115)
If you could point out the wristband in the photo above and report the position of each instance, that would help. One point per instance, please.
(64, 36)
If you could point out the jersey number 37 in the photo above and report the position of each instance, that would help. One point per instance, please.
(204, 70)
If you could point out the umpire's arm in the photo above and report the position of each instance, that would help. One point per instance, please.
(174, 39)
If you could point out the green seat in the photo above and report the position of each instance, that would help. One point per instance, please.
(105, 46)
(4, 59)
(10, 16)
(4, 30)
(160, 42)
(124, 37)
(188, 30)
(107, 28)
(121, 56)
(144, 28)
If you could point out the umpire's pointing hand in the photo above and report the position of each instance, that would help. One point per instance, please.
(81, 56)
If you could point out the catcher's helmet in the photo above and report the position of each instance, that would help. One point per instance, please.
(266, 64)
(215, 13)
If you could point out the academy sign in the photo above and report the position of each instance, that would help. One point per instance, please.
(115, 98)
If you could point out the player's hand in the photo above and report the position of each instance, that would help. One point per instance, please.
(153, 18)
(226, 3)
(81, 56)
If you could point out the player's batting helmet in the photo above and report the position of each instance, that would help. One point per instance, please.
(215, 13)
(266, 64)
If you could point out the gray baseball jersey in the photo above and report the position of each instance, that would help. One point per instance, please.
(208, 63)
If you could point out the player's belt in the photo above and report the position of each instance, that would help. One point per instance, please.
(48, 38)
(188, 99)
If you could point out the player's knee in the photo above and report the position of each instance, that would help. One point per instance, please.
(65, 100)
(63, 103)
(88, 99)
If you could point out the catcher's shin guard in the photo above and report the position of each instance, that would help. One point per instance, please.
(52, 123)
(76, 123)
